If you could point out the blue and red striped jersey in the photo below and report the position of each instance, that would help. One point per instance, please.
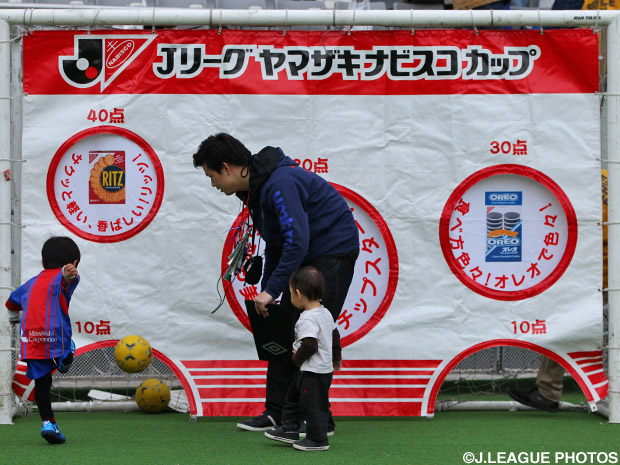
(45, 329)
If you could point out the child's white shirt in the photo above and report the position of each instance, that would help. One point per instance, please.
(319, 324)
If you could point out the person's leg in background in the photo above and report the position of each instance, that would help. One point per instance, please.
(550, 379)
(548, 391)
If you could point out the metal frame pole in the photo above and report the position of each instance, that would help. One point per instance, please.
(613, 155)
(6, 393)
(283, 18)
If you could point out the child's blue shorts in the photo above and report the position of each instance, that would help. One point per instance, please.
(38, 368)
(41, 367)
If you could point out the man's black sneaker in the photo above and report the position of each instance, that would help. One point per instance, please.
(263, 422)
(331, 429)
(533, 399)
(309, 445)
(282, 435)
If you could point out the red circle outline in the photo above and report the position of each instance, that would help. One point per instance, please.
(546, 181)
(392, 275)
(51, 173)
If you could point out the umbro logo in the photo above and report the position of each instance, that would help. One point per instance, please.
(274, 348)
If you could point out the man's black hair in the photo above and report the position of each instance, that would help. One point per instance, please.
(221, 148)
(309, 281)
(58, 251)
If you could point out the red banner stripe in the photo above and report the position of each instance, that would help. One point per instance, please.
(391, 363)
(335, 392)
(232, 382)
(336, 382)
(597, 378)
(365, 408)
(603, 390)
(19, 389)
(377, 409)
(224, 364)
(224, 374)
(410, 381)
(590, 360)
(21, 379)
(346, 372)
(433, 62)
(233, 409)
(346, 364)
(592, 368)
(339, 392)
(22, 385)
(232, 393)
(591, 354)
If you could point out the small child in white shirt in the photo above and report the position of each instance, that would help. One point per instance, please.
(317, 352)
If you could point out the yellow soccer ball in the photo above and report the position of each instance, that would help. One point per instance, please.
(153, 396)
(133, 354)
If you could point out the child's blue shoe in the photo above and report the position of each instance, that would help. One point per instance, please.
(66, 363)
(51, 433)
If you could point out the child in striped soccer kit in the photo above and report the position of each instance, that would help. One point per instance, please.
(45, 330)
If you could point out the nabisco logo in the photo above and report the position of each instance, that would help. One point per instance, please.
(121, 53)
(101, 58)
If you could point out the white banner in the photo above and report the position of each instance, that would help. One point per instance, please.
(478, 208)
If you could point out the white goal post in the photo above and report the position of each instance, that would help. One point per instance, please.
(98, 17)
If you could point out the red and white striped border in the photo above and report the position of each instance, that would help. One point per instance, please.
(361, 388)
(591, 363)
(22, 386)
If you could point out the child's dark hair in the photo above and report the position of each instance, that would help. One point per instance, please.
(58, 251)
(309, 281)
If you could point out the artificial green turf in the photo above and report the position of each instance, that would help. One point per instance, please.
(170, 438)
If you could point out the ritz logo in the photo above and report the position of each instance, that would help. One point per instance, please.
(107, 176)
(100, 59)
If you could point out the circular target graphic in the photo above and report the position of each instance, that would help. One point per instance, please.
(508, 232)
(105, 184)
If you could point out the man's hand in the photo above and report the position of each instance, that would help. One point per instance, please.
(337, 366)
(261, 301)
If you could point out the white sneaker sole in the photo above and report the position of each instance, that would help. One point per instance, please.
(303, 435)
(253, 428)
(280, 438)
(298, 447)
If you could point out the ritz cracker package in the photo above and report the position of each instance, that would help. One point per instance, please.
(107, 177)
(504, 226)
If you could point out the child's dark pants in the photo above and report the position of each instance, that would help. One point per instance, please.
(308, 399)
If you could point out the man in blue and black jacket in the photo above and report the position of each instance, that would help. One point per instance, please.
(303, 220)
